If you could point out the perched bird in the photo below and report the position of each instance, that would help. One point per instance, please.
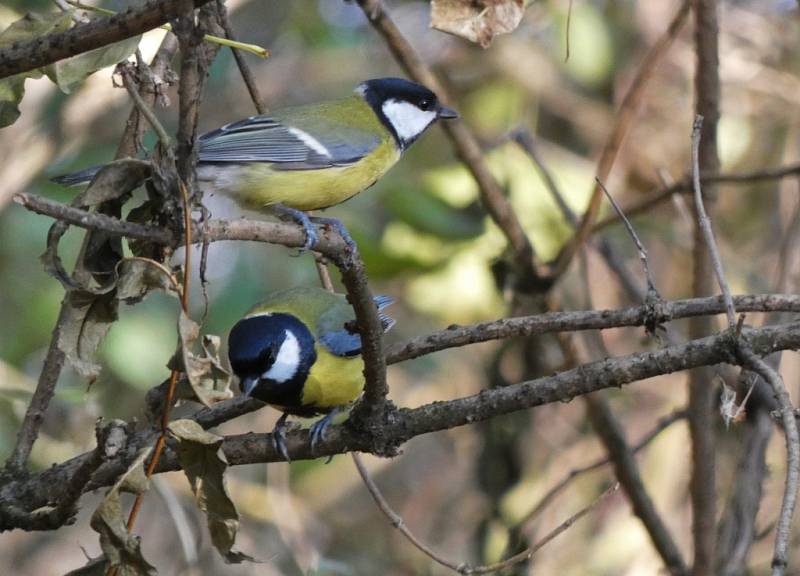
(313, 157)
(298, 351)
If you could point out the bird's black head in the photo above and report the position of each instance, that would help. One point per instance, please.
(405, 108)
(272, 355)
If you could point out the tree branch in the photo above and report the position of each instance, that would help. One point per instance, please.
(38, 489)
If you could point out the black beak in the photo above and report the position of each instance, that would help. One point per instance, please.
(247, 384)
(446, 113)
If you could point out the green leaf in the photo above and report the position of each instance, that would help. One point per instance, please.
(32, 25)
(204, 463)
(68, 73)
(12, 89)
(427, 212)
(120, 547)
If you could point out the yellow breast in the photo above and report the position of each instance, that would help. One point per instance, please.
(333, 381)
(259, 186)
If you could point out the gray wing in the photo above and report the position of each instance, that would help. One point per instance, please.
(265, 139)
(345, 342)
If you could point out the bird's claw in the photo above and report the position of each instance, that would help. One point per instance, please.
(301, 218)
(279, 437)
(320, 428)
(340, 229)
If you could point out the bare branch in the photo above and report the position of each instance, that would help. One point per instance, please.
(701, 390)
(244, 68)
(651, 285)
(705, 224)
(783, 531)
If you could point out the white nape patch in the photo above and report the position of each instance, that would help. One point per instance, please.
(309, 141)
(286, 363)
(408, 120)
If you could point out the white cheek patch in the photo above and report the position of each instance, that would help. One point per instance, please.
(286, 363)
(408, 120)
(309, 141)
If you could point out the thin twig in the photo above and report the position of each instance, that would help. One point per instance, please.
(651, 285)
(244, 68)
(463, 567)
(624, 120)
(705, 224)
(559, 487)
(144, 109)
(395, 518)
(557, 531)
(783, 531)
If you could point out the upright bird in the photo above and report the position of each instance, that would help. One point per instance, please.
(315, 156)
(299, 352)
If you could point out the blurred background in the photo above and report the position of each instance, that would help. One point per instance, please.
(426, 242)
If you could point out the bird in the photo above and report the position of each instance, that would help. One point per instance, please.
(298, 351)
(315, 156)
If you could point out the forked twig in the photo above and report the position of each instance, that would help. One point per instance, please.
(783, 530)
(463, 567)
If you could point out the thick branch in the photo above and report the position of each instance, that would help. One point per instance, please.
(26, 56)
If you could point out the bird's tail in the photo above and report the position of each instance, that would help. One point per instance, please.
(77, 178)
(384, 302)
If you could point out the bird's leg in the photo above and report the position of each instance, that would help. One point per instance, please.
(286, 213)
(279, 437)
(339, 227)
(320, 428)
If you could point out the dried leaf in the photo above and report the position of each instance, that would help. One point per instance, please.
(204, 463)
(114, 180)
(121, 548)
(70, 72)
(31, 25)
(136, 277)
(478, 21)
(102, 252)
(209, 380)
(88, 319)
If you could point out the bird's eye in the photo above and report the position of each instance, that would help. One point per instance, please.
(425, 104)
